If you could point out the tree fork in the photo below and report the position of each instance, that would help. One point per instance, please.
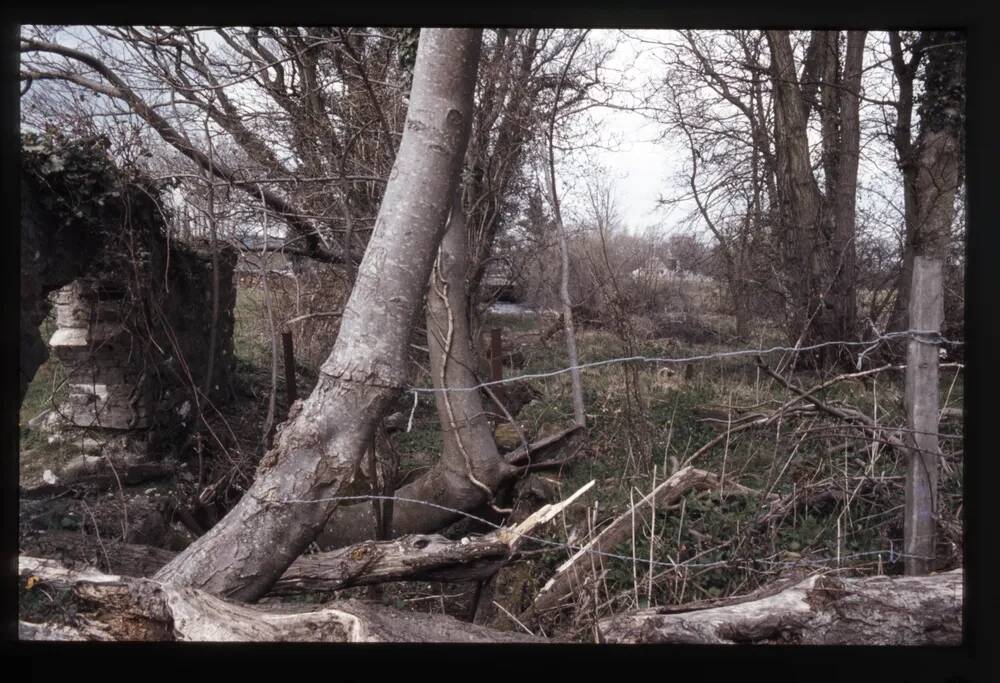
(470, 469)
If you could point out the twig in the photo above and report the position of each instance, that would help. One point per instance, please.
(512, 617)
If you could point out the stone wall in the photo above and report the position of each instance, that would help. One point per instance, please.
(105, 381)
(133, 360)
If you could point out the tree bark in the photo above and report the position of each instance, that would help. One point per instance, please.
(822, 610)
(820, 227)
(798, 195)
(906, 158)
(319, 449)
(470, 468)
(843, 188)
(117, 608)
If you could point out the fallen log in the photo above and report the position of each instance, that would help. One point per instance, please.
(542, 448)
(414, 558)
(409, 558)
(109, 607)
(73, 548)
(571, 574)
(821, 610)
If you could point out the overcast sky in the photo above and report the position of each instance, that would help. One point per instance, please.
(638, 165)
(643, 168)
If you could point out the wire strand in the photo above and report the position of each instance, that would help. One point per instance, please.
(923, 336)
(558, 545)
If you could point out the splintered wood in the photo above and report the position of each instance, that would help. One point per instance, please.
(572, 573)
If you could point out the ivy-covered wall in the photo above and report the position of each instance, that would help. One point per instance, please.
(134, 310)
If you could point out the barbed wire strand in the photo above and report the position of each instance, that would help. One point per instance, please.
(893, 554)
(924, 336)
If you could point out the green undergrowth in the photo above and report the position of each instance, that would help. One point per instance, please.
(640, 417)
(643, 421)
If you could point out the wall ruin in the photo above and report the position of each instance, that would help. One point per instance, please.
(138, 365)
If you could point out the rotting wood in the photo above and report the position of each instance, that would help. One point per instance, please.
(821, 610)
(542, 447)
(124, 608)
(409, 558)
(415, 558)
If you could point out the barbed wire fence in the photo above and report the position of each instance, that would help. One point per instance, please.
(891, 555)
(923, 336)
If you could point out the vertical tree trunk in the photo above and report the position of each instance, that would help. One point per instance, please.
(579, 416)
(843, 251)
(799, 198)
(819, 226)
(906, 157)
(939, 144)
(319, 450)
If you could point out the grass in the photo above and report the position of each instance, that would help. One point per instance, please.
(661, 426)
(45, 390)
(639, 419)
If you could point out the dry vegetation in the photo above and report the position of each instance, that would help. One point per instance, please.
(799, 493)
(704, 481)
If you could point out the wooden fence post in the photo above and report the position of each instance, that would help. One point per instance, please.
(922, 409)
(496, 355)
(291, 390)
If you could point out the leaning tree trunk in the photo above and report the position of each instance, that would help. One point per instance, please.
(319, 449)
(470, 468)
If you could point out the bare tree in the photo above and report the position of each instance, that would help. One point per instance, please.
(470, 471)
(938, 174)
(303, 110)
(818, 227)
(318, 450)
(716, 96)
(567, 313)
